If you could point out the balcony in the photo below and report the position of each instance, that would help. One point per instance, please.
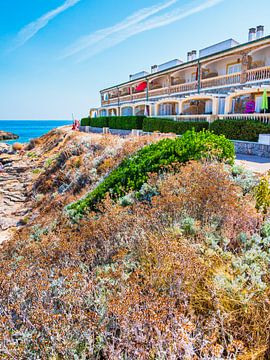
(158, 92)
(217, 81)
(185, 87)
(258, 74)
(140, 95)
(125, 98)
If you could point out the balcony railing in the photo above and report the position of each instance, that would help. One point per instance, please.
(157, 92)
(224, 80)
(261, 73)
(264, 118)
(196, 118)
(184, 87)
(253, 75)
(125, 98)
(141, 95)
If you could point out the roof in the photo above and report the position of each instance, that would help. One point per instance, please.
(186, 64)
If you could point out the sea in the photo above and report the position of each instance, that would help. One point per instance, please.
(30, 129)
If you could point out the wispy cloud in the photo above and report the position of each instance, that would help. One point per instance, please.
(34, 27)
(86, 41)
(93, 44)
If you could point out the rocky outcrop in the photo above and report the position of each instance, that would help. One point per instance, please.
(4, 135)
(14, 180)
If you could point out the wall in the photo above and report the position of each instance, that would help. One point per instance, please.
(252, 148)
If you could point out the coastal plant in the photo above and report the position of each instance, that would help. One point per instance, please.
(262, 194)
(133, 172)
(246, 179)
(144, 280)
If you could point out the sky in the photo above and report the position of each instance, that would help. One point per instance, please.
(56, 55)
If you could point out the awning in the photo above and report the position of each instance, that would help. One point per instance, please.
(141, 87)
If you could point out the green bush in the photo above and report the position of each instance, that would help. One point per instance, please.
(85, 121)
(133, 172)
(245, 130)
(171, 126)
(126, 122)
(102, 121)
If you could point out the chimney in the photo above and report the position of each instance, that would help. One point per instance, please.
(252, 34)
(260, 31)
(193, 55)
(188, 56)
(154, 69)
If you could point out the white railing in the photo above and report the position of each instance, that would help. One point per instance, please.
(157, 92)
(184, 87)
(125, 98)
(261, 73)
(224, 80)
(264, 118)
(186, 117)
(141, 95)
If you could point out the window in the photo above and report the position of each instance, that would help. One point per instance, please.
(234, 68)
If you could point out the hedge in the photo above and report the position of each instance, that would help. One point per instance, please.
(126, 122)
(245, 130)
(85, 121)
(102, 121)
(133, 172)
(177, 127)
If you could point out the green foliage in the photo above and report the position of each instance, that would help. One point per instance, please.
(115, 122)
(102, 121)
(262, 195)
(171, 126)
(85, 121)
(126, 122)
(133, 172)
(246, 179)
(240, 129)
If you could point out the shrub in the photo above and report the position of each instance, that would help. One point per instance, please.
(171, 126)
(133, 172)
(102, 121)
(17, 146)
(126, 122)
(262, 194)
(85, 121)
(115, 122)
(240, 129)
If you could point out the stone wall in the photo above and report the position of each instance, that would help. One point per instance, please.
(252, 148)
(100, 130)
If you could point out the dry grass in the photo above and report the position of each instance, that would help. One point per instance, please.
(167, 277)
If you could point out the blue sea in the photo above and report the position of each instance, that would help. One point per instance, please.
(30, 129)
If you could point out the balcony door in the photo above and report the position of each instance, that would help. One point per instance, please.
(167, 109)
(234, 68)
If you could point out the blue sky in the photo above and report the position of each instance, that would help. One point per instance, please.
(56, 55)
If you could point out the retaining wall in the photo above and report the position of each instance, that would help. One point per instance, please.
(252, 148)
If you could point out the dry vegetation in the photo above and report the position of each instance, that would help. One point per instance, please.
(177, 270)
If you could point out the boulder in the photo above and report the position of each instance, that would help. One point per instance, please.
(4, 135)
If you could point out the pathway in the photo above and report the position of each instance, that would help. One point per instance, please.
(254, 163)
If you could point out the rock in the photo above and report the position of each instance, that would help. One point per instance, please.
(14, 197)
(5, 148)
(4, 135)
